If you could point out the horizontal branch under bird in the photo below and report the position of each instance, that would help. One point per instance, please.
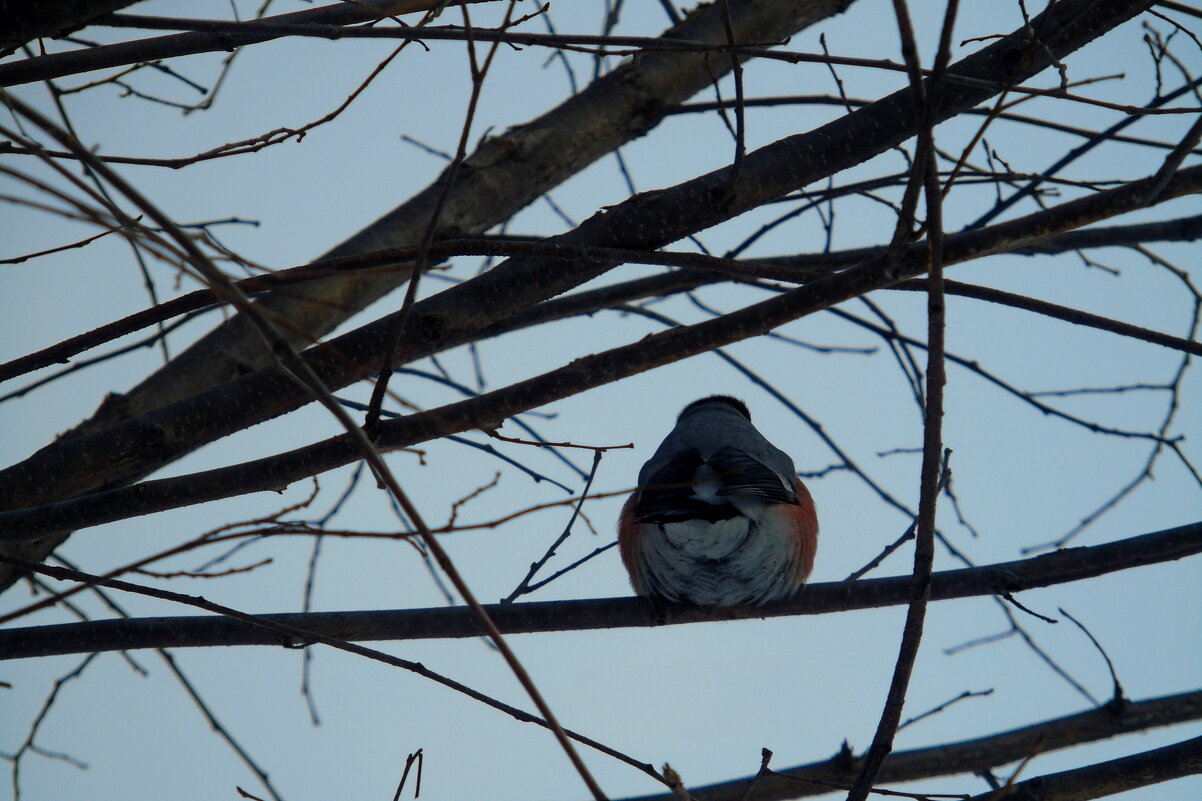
(1066, 565)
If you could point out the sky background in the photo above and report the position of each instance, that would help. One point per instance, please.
(705, 698)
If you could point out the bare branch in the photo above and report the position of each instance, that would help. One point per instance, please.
(1072, 564)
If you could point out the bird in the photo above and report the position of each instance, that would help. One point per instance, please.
(719, 517)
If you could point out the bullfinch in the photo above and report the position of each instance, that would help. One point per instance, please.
(719, 517)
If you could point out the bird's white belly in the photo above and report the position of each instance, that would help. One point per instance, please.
(726, 562)
(699, 539)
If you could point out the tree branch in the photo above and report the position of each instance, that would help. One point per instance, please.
(976, 755)
(1107, 778)
(1055, 310)
(1068, 565)
(24, 22)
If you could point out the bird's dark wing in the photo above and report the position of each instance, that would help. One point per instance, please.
(668, 496)
(742, 474)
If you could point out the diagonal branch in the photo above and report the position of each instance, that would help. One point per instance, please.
(1066, 313)
(1107, 778)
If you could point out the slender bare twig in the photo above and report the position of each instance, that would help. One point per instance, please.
(926, 96)
(523, 586)
(478, 73)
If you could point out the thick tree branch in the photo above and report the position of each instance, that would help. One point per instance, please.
(503, 175)
(1068, 565)
(24, 22)
(379, 260)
